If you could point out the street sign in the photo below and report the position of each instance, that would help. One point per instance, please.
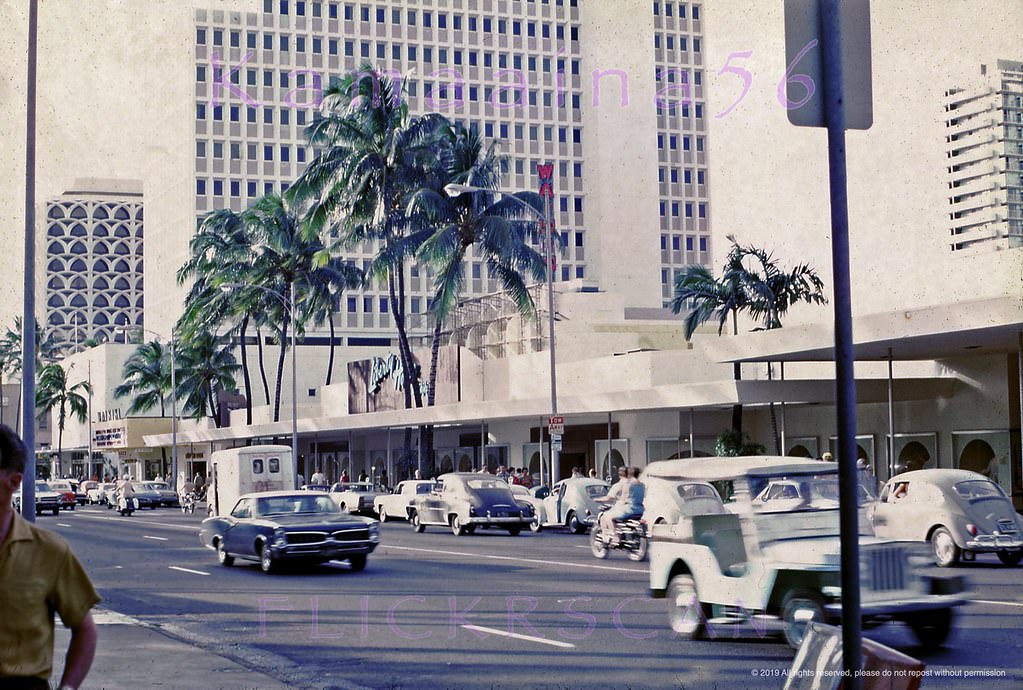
(556, 425)
(556, 441)
(801, 90)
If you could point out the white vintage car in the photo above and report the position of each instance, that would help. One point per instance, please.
(667, 499)
(355, 497)
(780, 570)
(570, 503)
(960, 513)
(396, 503)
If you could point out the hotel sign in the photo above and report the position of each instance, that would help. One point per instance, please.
(377, 384)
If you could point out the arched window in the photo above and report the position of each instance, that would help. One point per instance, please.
(78, 211)
(78, 266)
(78, 301)
(100, 248)
(100, 301)
(122, 284)
(122, 231)
(123, 302)
(55, 212)
(79, 248)
(100, 319)
(122, 213)
(78, 283)
(78, 230)
(55, 301)
(101, 230)
(101, 212)
(100, 283)
(55, 283)
(122, 267)
(55, 265)
(100, 265)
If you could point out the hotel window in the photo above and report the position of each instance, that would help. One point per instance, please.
(689, 210)
(200, 36)
(442, 20)
(317, 9)
(396, 16)
(349, 48)
(364, 13)
(380, 15)
(218, 149)
(268, 116)
(200, 149)
(300, 8)
(268, 42)
(674, 242)
(251, 150)
(218, 113)
(218, 37)
(351, 303)
(703, 240)
(218, 188)
(332, 46)
(234, 113)
(317, 45)
(200, 73)
(696, 45)
(250, 40)
(457, 22)
(472, 23)
(200, 187)
(268, 188)
(250, 190)
(250, 115)
(236, 151)
(285, 154)
(487, 25)
(411, 18)
(250, 77)
(284, 44)
(284, 6)
(530, 29)
(689, 244)
(285, 113)
(236, 188)
(236, 39)
(268, 152)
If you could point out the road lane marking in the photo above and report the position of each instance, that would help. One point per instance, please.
(63, 524)
(108, 617)
(187, 570)
(146, 536)
(997, 603)
(516, 559)
(136, 521)
(517, 636)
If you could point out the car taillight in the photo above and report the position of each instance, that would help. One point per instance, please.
(972, 529)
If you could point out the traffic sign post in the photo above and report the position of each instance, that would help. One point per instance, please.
(556, 441)
(556, 425)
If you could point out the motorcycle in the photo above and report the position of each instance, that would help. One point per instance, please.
(629, 535)
(188, 501)
(127, 506)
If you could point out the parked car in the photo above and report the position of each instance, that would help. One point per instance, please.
(571, 503)
(464, 502)
(780, 570)
(354, 497)
(315, 487)
(146, 497)
(275, 526)
(47, 500)
(396, 503)
(165, 495)
(960, 513)
(669, 498)
(84, 490)
(103, 493)
(79, 489)
(68, 499)
(788, 494)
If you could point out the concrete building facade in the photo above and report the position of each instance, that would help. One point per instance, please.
(985, 159)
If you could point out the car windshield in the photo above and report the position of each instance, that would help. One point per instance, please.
(424, 488)
(978, 488)
(795, 493)
(60, 486)
(693, 491)
(42, 487)
(597, 490)
(520, 490)
(276, 505)
(157, 486)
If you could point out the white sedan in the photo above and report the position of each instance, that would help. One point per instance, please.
(396, 503)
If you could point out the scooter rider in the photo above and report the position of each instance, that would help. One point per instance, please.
(125, 493)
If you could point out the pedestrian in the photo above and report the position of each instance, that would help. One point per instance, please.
(418, 474)
(828, 457)
(577, 473)
(514, 479)
(344, 477)
(593, 473)
(363, 477)
(318, 478)
(39, 575)
(383, 480)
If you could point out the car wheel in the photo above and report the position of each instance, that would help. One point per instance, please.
(535, 525)
(931, 628)
(1010, 557)
(457, 528)
(946, 553)
(686, 615)
(266, 559)
(382, 513)
(223, 557)
(639, 553)
(56, 511)
(574, 524)
(597, 544)
(416, 524)
(514, 531)
(358, 562)
(800, 608)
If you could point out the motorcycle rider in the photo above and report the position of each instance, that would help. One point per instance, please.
(185, 487)
(125, 492)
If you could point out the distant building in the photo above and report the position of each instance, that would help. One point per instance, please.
(94, 251)
(984, 124)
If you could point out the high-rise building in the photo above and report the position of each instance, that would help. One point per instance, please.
(984, 123)
(94, 257)
(611, 93)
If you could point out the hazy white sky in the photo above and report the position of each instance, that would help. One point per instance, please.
(102, 64)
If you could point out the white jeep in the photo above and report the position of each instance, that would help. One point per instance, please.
(777, 571)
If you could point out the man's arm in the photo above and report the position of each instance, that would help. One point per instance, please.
(80, 653)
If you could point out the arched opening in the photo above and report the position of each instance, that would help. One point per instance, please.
(445, 464)
(610, 463)
(799, 451)
(914, 456)
(976, 456)
(464, 462)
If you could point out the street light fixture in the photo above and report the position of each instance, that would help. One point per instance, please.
(174, 400)
(453, 190)
(288, 304)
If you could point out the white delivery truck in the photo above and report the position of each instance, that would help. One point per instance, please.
(238, 471)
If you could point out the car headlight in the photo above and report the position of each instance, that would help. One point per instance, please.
(374, 530)
(280, 537)
(472, 511)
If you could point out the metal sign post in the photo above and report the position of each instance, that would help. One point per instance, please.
(835, 37)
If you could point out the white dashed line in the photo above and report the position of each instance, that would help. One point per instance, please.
(136, 521)
(536, 561)
(997, 603)
(517, 636)
(187, 570)
(63, 524)
(146, 536)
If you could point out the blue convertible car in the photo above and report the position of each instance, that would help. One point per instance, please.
(274, 526)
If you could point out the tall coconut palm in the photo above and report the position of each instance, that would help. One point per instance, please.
(10, 347)
(53, 392)
(324, 285)
(145, 378)
(374, 156)
(221, 252)
(205, 366)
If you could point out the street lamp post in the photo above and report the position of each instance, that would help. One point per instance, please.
(174, 402)
(453, 190)
(289, 304)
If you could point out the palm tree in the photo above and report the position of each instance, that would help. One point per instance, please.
(221, 252)
(145, 378)
(205, 366)
(322, 294)
(53, 392)
(11, 354)
(374, 156)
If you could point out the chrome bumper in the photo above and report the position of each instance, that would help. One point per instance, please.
(992, 542)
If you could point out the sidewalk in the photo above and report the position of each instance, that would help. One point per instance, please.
(131, 656)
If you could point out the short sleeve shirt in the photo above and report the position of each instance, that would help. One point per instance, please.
(39, 576)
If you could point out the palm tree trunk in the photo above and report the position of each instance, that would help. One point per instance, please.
(330, 361)
(774, 417)
(431, 399)
(60, 446)
(262, 367)
(406, 383)
(280, 360)
(736, 376)
(211, 399)
(414, 373)
(245, 370)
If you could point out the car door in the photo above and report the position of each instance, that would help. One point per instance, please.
(553, 504)
(396, 502)
(432, 502)
(233, 528)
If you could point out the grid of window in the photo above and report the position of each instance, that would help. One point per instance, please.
(516, 79)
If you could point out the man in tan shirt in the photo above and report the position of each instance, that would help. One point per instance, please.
(38, 576)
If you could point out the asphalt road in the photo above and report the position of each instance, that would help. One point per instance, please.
(484, 611)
